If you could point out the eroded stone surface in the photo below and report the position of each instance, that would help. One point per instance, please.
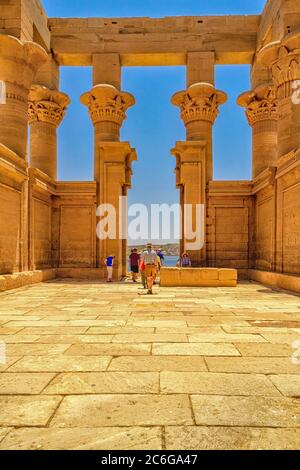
(246, 411)
(115, 438)
(230, 438)
(139, 369)
(123, 410)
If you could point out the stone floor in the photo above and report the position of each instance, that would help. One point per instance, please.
(97, 366)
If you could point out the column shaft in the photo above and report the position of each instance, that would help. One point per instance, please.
(46, 112)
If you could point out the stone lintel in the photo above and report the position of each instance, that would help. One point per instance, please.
(154, 41)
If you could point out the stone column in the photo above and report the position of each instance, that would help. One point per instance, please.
(107, 108)
(283, 58)
(19, 62)
(199, 106)
(46, 111)
(261, 112)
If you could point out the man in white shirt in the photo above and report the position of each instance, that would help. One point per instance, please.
(149, 258)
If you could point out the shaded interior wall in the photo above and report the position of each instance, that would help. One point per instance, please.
(229, 225)
(74, 225)
(288, 221)
(10, 228)
(265, 229)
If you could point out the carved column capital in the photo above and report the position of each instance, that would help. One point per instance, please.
(260, 104)
(47, 105)
(107, 103)
(283, 58)
(200, 102)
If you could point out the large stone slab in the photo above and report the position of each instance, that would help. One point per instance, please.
(109, 349)
(289, 385)
(225, 338)
(104, 382)
(61, 363)
(198, 277)
(23, 383)
(208, 383)
(195, 349)
(264, 349)
(158, 363)
(256, 365)
(27, 410)
(246, 411)
(108, 438)
(230, 438)
(123, 410)
(150, 338)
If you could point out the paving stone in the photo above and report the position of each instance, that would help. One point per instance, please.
(108, 438)
(195, 349)
(289, 385)
(23, 383)
(246, 411)
(54, 330)
(150, 338)
(3, 433)
(264, 349)
(27, 410)
(109, 349)
(283, 338)
(35, 349)
(73, 339)
(17, 339)
(61, 363)
(230, 438)
(209, 383)
(256, 365)
(225, 338)
(123, 410)
(9, 361)
(158, 363)
(104, 382)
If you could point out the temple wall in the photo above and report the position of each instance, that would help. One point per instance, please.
(288, 222)
(26, 20)
(75, 225)
(10, 232)
(252, 226)
(229, 226)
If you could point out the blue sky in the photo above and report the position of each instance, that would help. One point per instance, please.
(153, 125)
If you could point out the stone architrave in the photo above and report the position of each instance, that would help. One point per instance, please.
(46, 111)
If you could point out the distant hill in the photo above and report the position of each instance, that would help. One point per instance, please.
(170, 249)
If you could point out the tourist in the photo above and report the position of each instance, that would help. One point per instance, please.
(134, 264)
(109, 263)
(161, 256)
(143, 273)
(150, 259)
(184, 261)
